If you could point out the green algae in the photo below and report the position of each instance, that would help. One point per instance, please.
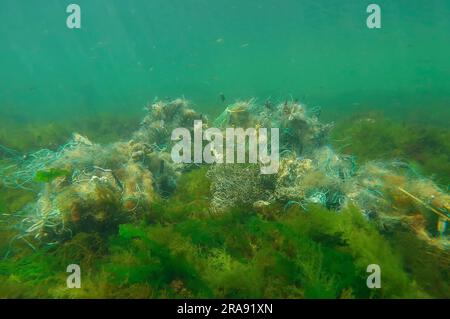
(47, 176)
(240, 254)
(181, 251)
(372, 136)
(27, 136)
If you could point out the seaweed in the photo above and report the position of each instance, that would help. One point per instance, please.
(374, 137)
(141, 227)
(47, 176)
(314, 254)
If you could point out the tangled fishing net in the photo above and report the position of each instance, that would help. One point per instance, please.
(390, 194)
(84, 186)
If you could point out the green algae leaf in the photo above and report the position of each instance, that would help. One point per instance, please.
(47, 176)
(128, 231)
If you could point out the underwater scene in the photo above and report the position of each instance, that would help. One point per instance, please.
(292, 149)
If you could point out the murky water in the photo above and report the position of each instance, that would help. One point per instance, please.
(110, 200)
(320, 52)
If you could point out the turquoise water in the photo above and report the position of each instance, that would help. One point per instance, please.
(320, 52)
(370, 190)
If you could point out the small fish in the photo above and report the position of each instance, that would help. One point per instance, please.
(222, 97)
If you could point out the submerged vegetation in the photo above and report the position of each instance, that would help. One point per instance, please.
(28, 135)
(141, 227)
(47, 176)
(374, 137)
(294, 253)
